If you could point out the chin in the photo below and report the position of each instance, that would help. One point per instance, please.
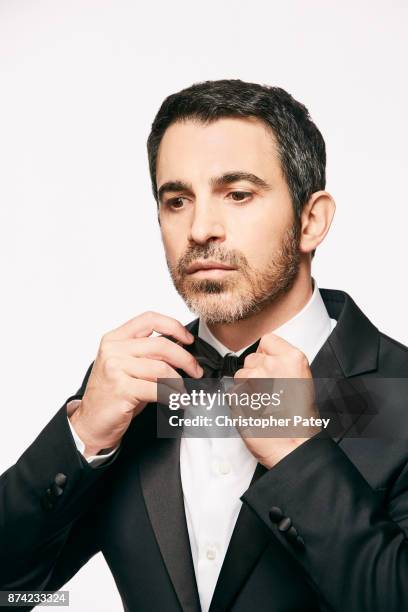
(225, 307)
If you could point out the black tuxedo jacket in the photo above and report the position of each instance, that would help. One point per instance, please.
(347, 498)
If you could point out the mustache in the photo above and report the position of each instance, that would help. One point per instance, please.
(231, 258)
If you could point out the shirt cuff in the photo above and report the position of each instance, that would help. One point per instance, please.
(93, 460)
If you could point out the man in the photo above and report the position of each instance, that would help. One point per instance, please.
(265, 523)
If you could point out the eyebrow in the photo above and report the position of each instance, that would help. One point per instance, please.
(218, 181)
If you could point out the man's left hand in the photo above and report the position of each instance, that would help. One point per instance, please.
(277, 359)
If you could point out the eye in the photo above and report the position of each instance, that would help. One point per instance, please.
(175, 203)
(240, 196)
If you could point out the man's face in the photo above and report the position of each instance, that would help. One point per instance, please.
(223, 200)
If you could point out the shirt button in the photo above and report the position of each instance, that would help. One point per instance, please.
(211, 553)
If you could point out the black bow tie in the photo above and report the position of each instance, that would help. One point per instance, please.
(213, 364)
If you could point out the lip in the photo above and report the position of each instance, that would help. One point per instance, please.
(197, 266)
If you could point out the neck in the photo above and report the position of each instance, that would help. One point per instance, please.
(246, 331)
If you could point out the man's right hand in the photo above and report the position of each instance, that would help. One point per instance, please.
(124, 377)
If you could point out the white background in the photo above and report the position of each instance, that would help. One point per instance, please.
(80, 249)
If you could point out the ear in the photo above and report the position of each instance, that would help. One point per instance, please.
(316, 218)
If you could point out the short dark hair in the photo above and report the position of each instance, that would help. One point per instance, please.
(301, 147)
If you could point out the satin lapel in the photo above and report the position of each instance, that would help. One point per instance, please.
(342, 399)
(249, 539)
(325, 364)
(161, 484)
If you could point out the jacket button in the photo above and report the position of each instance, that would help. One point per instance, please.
(284, 524)
(292, 534)
(275, 514)
(56, 490)
(60, 479)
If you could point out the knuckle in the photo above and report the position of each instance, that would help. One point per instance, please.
(299, 357)
(104, 346)
(166, 371)
(110, 365)
(105, 337)
(148, 314)
(265, 344)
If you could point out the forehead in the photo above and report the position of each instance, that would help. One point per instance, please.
(191, 150)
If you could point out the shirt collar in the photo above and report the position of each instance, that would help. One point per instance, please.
(307, 330)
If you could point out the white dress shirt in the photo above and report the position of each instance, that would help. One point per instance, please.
(216, 472)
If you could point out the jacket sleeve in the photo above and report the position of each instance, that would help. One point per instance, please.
(48, 503)
(353, 548)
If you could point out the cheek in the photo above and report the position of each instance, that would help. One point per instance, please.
(173, 243)
(258, 241)
(262, 225)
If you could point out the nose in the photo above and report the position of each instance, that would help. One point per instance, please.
(207, 223)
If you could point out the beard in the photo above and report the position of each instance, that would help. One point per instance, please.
(244, 292)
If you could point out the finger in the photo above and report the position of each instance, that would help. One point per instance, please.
(247, 380)
(245, 373)
(240, 384)
(145, 324)
(273, 344)
(262, 361)
(145, 391)
(165, 350)
(139, 390)
(151, 369)
(254, 359)
(159, 348)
